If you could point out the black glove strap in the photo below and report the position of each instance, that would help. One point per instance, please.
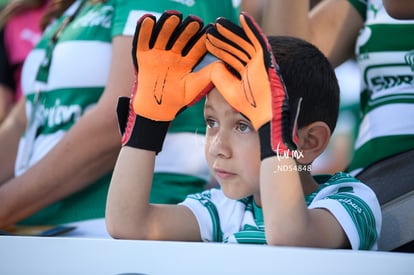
(266, 150)
(148, 134)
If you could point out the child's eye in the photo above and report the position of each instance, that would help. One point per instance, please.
(211, 123)
(243, 127)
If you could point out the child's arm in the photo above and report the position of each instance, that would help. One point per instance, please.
(164, 54)
(259, 93)
(287, 219)
(129, 214)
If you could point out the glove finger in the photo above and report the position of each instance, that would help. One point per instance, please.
(199, 83)
(230, 42)
(232, 32)
(236, 36)
(257, 38)
(196, 48)
(215, 47)
(164, 29)
(185, 34)
(142, 36)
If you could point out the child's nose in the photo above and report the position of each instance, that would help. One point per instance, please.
(219, 145)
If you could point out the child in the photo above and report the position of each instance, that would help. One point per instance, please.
(260, 144)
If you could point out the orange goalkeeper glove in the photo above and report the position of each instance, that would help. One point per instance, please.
(251, 82)
(164, 55)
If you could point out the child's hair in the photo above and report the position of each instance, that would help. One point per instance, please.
(307, 73)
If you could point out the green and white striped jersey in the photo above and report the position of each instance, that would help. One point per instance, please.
(353, 204)
(385, 54)
(75, 80)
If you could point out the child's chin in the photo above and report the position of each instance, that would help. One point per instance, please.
(234, 195)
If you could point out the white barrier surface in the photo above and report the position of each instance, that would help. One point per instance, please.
(82, 256)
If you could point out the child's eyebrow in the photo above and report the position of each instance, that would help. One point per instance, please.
(244, 116)
(208, 107)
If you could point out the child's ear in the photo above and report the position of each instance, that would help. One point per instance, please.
(313, 139)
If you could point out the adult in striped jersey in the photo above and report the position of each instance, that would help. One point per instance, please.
(384, 147)
(71, 82)
(259, 151)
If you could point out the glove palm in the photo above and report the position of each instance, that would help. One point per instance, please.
(164, 54)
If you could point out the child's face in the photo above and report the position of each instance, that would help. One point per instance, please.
(232, 148)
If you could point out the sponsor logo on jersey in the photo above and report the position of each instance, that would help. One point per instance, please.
(389, 81)
(352, 204)
(102, 18)
(59, 114)
(409, 59)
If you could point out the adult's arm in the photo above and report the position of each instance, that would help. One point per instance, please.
(332, 25)
(11, 130)
(129, 215)
(400, 9)
(87, 152)
(6, 101)
(254, 8)
(6, 81)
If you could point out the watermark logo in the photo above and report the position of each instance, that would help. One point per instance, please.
(293, 167)
(284, 154)
(287, 154)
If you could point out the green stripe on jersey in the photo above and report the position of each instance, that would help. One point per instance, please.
(379, 148)
(252, 234)
(204, 199)
(362, 217)
(369, 105)
(61, 108)
(380, 41)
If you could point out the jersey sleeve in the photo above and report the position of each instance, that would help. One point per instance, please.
(361, 7)
(206, 213)
(357, 209)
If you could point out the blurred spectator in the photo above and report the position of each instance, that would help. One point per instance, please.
(3, 3)
(66, 121)
(19, 32)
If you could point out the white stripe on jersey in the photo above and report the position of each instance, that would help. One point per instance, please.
(133, 17)
(87, 74)
(66, 59)
(173, 159)
(390, 115)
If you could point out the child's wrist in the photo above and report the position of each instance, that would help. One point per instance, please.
(147, 134)
(271, 148)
